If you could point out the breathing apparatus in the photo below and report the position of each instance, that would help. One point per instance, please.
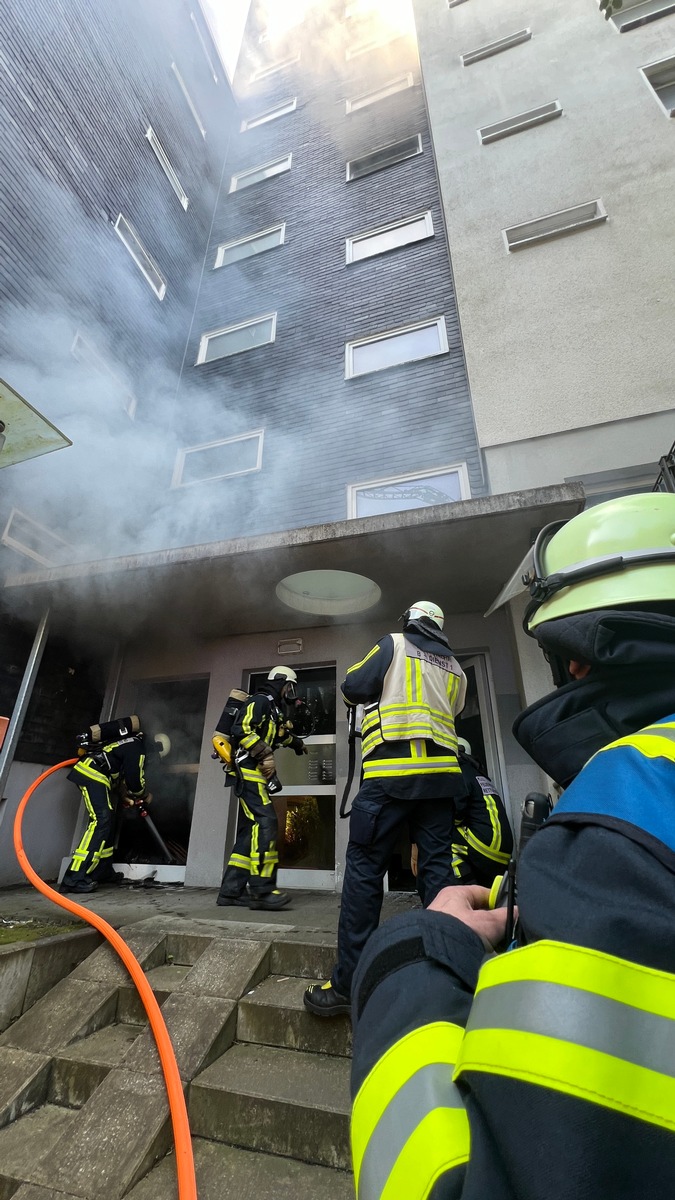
(96, 736)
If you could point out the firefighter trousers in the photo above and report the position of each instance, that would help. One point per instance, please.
(374, 825)
(93, 856)
(255, 857)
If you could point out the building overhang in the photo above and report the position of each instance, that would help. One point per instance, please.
(458, 555)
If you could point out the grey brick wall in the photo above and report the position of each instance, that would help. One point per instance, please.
(322, 431)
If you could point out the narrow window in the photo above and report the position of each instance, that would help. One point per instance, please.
(204, 46)
(35, 541)
(634, 13)
(660, 76)
(505, 43)
(253, 175)
(409, 344)
(568, 220)
(526, 120)
(274, 68)
(163, 160)
(90, 357)
(389, 237)
(454, 3)
(144, 261)
(385, 156)
(234, 339)
(270, 114)
(442, 485)
(181, 83)
(399, 84)
(218, 460)
(257, 243)
(366, 47)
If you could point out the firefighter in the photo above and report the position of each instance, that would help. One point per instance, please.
(258, 729)
(549, 1070)
(413, 688)
(483, 841)
(113, 753)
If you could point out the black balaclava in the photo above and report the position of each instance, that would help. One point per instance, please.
(631, 684)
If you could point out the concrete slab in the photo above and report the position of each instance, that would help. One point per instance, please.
(56, 957)
(31, 1191)
(228, 1171)
(79, 1069)
(71, 1010)
(304, 958)
(201, 1028)
(186, 947)
(281, 1101)
(274, 1015)
(23, 1082)
(105, 965)
(27, 1142)
(228, 968)
(15, 968)
(113, 1141)
(163, 981)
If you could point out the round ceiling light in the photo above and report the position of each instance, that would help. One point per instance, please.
(328, 593)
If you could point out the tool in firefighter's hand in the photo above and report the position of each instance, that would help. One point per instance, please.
(355, 714)
(140, 803)
(536, 808)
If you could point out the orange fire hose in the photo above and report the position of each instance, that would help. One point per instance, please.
(187, 1185)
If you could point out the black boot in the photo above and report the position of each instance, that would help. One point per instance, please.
(272, 901)
(322, 1000)
(224, 901)
(81, 886)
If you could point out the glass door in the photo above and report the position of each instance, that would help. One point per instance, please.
(306, 807)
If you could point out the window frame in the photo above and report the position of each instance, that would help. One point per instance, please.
(383, 166)
(201, 359)
(645, 73)
(624, 23)
(561, 229)
(379, 94)
(430, 232)
(93, 358)
(460, 469)
(367, 47)
(269, 114)
(159, 292)
(497, 47)
(167, 167)
(251, 237)
(274, 68)
(509, 126)
(188, 98)
(202, 42)
(234, 179)
(439, 322)
(12, 543)
(182, 454)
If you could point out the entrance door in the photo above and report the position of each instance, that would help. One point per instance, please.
(306, 806)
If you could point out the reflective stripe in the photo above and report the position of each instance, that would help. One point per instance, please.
(240, 860)
(408, 1112)
(383, 768)
(579, 1022)
(92, 773)
(654, 741)
(369, 655)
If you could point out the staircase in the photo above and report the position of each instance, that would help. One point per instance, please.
(83, 1110)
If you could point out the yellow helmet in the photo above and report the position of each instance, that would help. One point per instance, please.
(618, 553)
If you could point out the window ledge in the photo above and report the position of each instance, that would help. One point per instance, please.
(517, 124)
(558, 224)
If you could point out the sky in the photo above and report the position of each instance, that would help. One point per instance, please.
(227, 19)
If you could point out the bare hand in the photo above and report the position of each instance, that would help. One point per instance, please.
(470, 904)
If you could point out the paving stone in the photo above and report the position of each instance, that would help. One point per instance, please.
(24, 1078)
(71, 1010)
(228, 1171)
(106, 966)
(228, 968)
(200, 1027)
(113, 1141)
(274, 1015)
(305, 959)
(27, 1142)
(281, 1101)
(79, 1069)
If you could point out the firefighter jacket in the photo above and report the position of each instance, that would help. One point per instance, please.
(121, 759)
(481, 824)
(547, 1071)
(412, 688)
(261, 720)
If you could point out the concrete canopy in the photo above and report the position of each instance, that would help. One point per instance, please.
(458, 554)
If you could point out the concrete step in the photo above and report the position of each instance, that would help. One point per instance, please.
(226, 1171)
(281, 1101)
(24, 1079)
(303, 957)
(77, 1070)
(27, 1142)
(163, 980)
(274, 1015)
(71, 1010)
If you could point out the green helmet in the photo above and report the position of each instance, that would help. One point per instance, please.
(618, 553)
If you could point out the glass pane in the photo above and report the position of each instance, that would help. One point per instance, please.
(233, 341)
(412, 493)
(385, 157)
(275, 168)
(399, 348)
(389, 239)
(306, 832)
(316, 686)
(227, 459)
(239, 250)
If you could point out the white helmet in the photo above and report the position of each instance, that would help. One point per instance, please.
(425, 608)
(284, 675)
(462, 744)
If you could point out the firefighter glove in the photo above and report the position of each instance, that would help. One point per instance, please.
(259, 750)
(299, 746)
(267, 766)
